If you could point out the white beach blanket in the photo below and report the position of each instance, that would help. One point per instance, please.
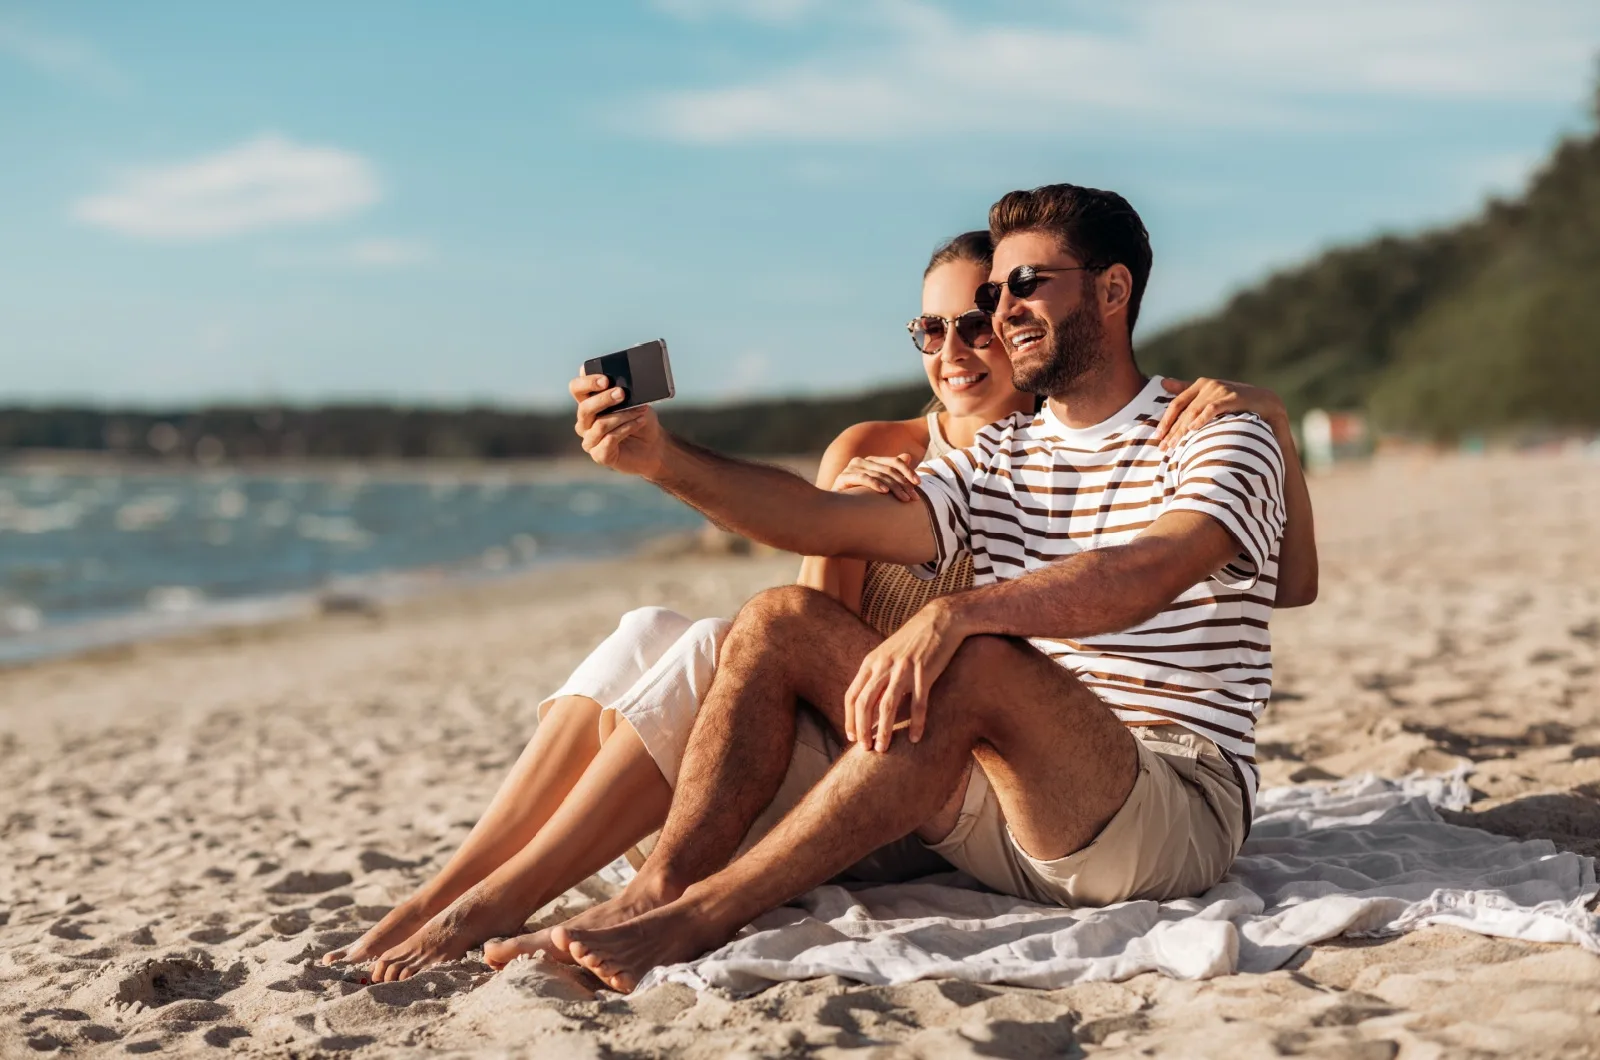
(1363, 857)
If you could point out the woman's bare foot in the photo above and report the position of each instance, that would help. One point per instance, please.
(497, 953)
(642, 894)
(399, 924)
(448, 936)
(622, 954)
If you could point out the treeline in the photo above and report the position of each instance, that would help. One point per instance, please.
(1482, 326)
(779, 426)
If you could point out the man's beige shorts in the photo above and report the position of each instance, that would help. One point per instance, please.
(1174, 837)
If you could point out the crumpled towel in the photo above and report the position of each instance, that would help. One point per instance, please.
(1361, 857)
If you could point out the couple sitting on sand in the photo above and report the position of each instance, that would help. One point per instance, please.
(1035, 648)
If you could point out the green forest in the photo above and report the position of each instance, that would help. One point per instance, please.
(1488, 326)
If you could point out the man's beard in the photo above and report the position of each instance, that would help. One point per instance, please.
(1075, 345)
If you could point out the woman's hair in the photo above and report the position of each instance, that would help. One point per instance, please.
(976, 247)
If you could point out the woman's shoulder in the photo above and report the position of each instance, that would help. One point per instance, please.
(882, 438)
(873, 438)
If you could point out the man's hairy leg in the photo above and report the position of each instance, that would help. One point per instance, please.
(787, 645)
(1061, 764)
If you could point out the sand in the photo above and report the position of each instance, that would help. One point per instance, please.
(186, 825)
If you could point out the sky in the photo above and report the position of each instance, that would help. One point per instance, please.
(446, 203)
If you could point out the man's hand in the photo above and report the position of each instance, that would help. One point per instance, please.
(630, 441)
(907, 664)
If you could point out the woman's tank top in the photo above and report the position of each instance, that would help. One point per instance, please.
(891, 594)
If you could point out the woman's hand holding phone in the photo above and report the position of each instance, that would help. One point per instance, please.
(630, 441)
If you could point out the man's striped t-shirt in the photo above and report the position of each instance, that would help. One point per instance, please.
(1032, 491)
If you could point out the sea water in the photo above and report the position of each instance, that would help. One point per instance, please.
(91, 558)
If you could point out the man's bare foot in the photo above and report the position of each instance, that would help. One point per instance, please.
(471, 920)
(399, 924)
(622, 954)
(497, 953)
(642, 894)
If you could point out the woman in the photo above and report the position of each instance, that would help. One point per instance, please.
(587, 789)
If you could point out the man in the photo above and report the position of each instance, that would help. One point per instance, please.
(1105, 672)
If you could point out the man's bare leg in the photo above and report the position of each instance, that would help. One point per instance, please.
(1060, 762)
(786, 645)
(621, 798)
(562, 747)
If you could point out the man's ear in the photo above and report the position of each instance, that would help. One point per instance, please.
(1116, 287)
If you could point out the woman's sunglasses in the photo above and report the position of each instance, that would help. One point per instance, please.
(929, 331)
(1023, 281)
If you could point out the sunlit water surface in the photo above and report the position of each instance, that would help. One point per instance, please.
(95, 558)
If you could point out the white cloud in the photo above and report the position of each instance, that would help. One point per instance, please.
(65, 58)
(263, 183)
(1167, 63)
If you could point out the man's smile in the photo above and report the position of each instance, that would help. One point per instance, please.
(1024, 338)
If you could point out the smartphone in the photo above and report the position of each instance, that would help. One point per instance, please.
(643, 372)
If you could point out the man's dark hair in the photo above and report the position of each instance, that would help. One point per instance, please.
(976, 247)
(1099, 228)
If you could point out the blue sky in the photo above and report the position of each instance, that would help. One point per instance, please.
(439, 203)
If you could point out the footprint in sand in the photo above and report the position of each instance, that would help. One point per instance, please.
(213, 936)
(291, 923)
(377, 861)
(297, 882)
(186, 986)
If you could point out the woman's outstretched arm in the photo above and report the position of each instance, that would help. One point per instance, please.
(1197, 403)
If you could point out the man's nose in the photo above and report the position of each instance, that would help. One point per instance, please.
(1007, 308)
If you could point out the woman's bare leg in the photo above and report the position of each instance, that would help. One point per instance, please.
(566, 741)
(621, 798)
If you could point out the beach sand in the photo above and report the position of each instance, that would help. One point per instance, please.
(188, 824)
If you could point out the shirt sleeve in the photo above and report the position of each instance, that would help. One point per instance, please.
(946, 490)
(1232, 470)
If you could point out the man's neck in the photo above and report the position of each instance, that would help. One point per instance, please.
(1099, 395)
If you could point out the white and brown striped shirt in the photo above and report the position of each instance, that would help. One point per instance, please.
(1031, 491)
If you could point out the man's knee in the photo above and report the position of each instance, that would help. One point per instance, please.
(982, 666)
(773, 623)
(986, 658)
(786, 609)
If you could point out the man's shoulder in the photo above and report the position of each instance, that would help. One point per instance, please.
(1231, 430)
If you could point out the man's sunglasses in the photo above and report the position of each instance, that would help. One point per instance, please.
(929, 331)
(1023, 281)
